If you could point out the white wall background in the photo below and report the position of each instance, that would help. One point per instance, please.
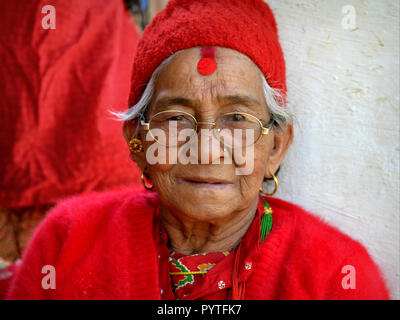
(343, 87)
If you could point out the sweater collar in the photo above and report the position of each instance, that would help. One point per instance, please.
(249, 244)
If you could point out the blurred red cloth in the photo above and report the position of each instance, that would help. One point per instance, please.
(56, 87)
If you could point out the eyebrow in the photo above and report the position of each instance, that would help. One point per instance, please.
(169, 101)
(223, 100)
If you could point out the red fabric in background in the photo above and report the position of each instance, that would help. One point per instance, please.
(56, 87)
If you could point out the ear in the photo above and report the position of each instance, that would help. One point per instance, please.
(130, 130)
(282, 141)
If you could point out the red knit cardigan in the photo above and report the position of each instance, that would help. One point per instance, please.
(102, 247)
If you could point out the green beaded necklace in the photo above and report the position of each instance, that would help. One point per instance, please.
(266, 220)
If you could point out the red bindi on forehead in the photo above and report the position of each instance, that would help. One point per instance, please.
(207, 64)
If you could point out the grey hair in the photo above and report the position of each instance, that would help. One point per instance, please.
(140, 108)
(279, 113)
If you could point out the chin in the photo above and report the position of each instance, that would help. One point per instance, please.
(205, 204)
(207, 213)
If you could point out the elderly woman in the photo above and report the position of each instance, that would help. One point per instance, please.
(209, 123)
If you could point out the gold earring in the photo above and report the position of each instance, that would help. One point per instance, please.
(276, 187)
(135, 145)
(144, 183)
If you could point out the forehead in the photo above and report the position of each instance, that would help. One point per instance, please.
(235, 74)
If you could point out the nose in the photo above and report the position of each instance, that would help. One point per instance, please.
(212, 124)
(210, 149)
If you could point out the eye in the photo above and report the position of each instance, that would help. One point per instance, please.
(237, 117)
(176, 118)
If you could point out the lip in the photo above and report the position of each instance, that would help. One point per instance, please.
(207, 182)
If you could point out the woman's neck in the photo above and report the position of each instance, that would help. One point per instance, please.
(188, 236)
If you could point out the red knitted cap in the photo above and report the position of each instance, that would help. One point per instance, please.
(247, 26)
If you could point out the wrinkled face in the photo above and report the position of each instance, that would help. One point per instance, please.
(210, 191)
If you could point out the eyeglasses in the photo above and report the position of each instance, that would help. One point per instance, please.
(233, 129)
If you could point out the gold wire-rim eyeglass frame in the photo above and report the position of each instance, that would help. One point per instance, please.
(264, 130)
